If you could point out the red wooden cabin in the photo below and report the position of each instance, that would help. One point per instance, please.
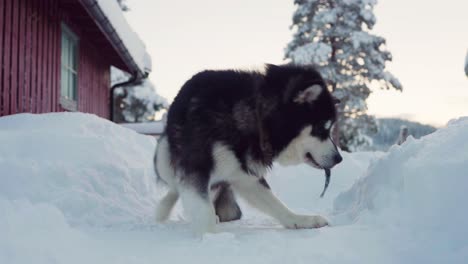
(55, 55)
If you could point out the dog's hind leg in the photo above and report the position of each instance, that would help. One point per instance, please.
(198, 207)
(165, 206)
(226, 206)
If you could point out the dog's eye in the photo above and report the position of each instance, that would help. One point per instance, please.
(320, 132)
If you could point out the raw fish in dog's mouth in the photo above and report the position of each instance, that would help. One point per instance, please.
(327, 181)
(311, 159)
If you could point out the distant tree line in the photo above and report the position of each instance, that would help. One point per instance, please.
(390, 128)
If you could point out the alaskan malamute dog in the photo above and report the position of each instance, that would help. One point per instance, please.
(226, 128)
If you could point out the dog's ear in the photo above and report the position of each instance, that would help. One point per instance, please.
(309, 94)
(272, 69)
(271, 66)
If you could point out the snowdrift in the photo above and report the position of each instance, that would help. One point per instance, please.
(425, 179)
(75, 188)
(92, 170)
(420, 188)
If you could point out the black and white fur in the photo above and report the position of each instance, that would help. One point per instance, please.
(226, 128)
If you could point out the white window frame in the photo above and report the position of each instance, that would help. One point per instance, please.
(69, 61)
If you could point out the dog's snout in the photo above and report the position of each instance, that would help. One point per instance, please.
(338, 158)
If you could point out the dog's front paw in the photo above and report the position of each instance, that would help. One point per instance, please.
(306, 221)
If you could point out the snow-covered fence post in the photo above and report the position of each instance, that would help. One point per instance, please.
(403, 135)
(466, 64)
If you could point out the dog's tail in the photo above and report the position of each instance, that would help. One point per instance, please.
(165, 174)
(155, 159)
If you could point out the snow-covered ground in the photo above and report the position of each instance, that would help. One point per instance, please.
(75, 188)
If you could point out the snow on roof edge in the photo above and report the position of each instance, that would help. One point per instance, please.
(132, 42)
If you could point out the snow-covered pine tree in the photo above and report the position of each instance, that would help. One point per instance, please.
(138, 103)
(335, 37)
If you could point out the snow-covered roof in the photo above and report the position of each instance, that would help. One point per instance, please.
(110, 19)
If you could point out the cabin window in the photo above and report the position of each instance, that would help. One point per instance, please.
(69, 70)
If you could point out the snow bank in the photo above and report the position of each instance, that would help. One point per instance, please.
(75, 188)
(38, 234)
(420, 187)
(94, 171)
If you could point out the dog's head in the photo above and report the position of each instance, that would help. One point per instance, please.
(303, 123)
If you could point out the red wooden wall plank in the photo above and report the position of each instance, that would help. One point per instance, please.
(55, 55)
(81, 73)
(14, 58)
(106, 93)
(40, 56)
(44, 56)
(92, 79)
(34, 49)
(97, 77)
(51, 55)
(21, 56)
(27, 56)
(48, 61)
(89, 85)
(103, 95)
(81, 76)
(91, 98)
(2, 32)
(59, 50)
(36, 44)
(6, 58)
(88, 82)
(44, 66)
(85, 78)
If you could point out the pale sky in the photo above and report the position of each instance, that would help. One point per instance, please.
(428, 40)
